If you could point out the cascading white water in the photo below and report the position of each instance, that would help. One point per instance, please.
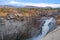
(45, 28)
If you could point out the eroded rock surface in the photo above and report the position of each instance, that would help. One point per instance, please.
(12, 29)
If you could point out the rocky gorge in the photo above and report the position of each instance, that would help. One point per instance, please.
(27, 25)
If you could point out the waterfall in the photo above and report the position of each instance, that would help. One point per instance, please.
(49, 23)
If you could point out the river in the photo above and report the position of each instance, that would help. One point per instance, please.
(49, 25)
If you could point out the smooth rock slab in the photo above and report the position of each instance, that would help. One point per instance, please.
(54, 35)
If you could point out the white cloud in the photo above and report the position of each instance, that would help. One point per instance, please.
(12, 2)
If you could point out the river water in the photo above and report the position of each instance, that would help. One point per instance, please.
(49, 25)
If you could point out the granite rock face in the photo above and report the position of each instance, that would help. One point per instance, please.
(9, 29)
(17, 30)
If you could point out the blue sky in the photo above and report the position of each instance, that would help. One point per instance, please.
(39, 3)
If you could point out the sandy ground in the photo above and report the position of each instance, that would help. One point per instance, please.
(54, 35)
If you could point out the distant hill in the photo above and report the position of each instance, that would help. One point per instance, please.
(35, 7)
(11, 6)
(30, 7)
(7, 6)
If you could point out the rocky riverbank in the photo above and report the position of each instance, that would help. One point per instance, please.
(54, 35)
